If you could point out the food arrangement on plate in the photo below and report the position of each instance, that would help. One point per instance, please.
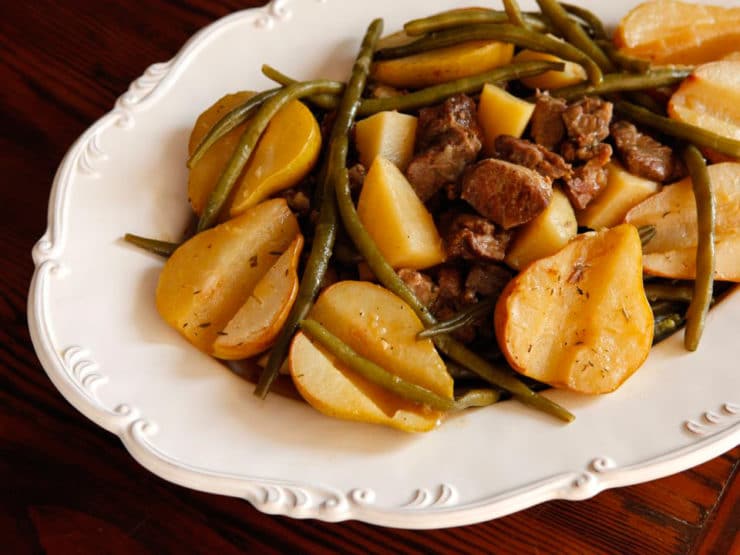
(493, 203)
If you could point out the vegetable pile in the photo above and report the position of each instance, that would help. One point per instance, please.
(496, 201)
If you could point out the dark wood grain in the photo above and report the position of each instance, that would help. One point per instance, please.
(67, 486)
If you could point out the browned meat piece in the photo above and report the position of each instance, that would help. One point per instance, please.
(547, 125)
(589, 180)
(642, 155)
(421, 284)
(450, 283)
(532, 156)
(356, 176)
(506, 193)
(485, 280)
(473, 237)
(587, 121)
(448, 138)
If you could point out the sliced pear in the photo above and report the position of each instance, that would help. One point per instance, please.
(397, 220)
(285, 154)
(710, 98)
(257, 323)
(443, 64)
(671, 32)
(209, 277)
(672, 252)
(204, 175)
(338, 392)
(382, 328)
(579, 319)
(572, 74)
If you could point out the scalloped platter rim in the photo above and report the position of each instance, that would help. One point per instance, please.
(189, 420)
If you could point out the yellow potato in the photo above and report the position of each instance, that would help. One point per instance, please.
(623, 191)
(549, 232)
(672, 252)
(338, 392)
(204, 175)
(387, 134)
(710, 98)
(501, 113)
(397, 220)
(579, 319)
(285, 154)
(572, 74)
(671, 32)
(257, 323)
(443, 64)
(382, 328)
(209, 277)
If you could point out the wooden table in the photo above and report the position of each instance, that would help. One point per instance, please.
(68, 486)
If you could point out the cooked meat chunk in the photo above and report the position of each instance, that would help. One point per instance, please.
(642, 155)
(450, 283)
(356, 176)
(473, 237)
(421, 284)
(506, 193)
(532, 156)
(484, 280)
(589, 180)
(448, 138)
(547, 125)
(587, 121)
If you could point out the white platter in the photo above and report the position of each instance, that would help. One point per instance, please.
(189, 420)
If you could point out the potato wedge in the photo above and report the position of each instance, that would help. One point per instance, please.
(671, 32)
(579, 319)
(381, 327)
(257, 323)
(672, 252)
(549, 232)
(204, 175)
(623, 191)
(571, 75)
(387, 134)
(286, 152)
(397, 220)
(501, 113)
(210, 276)
(338, 392)
(710, 98)
(443, 64)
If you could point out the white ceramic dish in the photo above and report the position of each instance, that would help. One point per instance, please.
(189, 420)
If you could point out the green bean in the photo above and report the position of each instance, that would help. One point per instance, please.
(438, 93)
(668, 292)
(589, 18)
(646, 233)
(463, 318)
(323, 101)
(371, 371)
(514, 13)
(248, 141)
(618, 82)
(574, 33)
(326, 227)
(665, 326)
(621, 60)
(666, 308)
(679, 129)
(232, 119)
(454, 349)
(162, 248)
(463, 17)
(646, 101)
(503, 32)
(477, 397)
(705, 216)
